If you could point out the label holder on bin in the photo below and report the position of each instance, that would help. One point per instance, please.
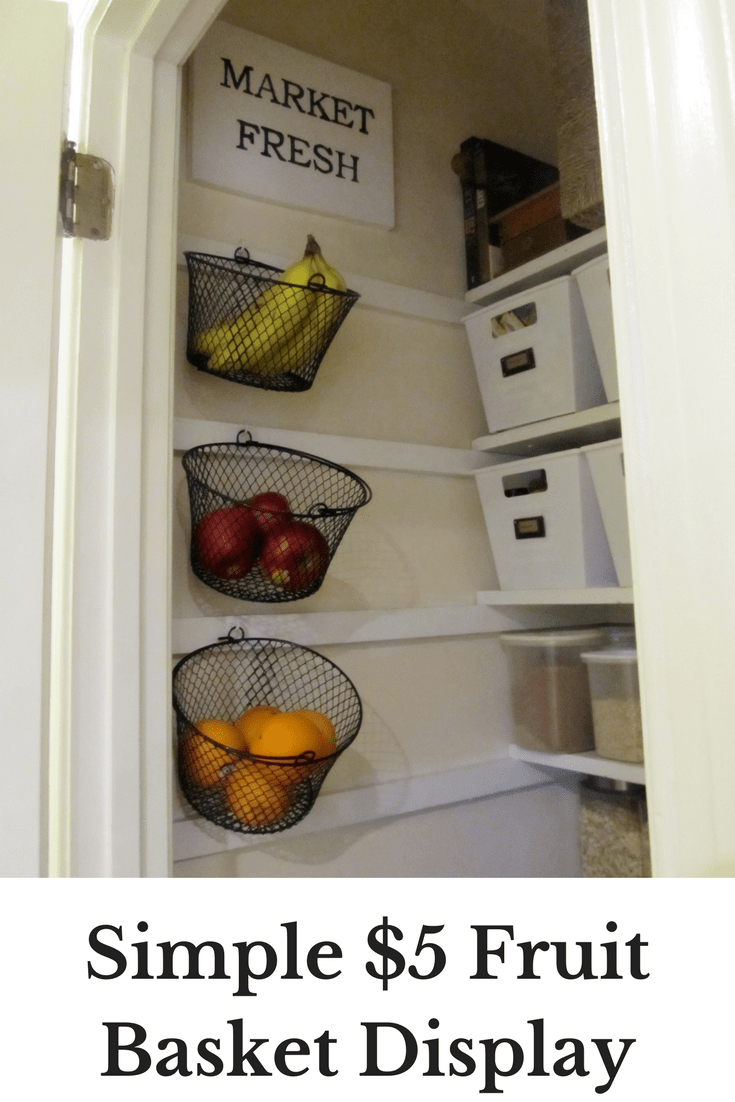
(515, 362)
(529, 528)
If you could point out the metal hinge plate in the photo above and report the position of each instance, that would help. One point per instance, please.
(86, 193)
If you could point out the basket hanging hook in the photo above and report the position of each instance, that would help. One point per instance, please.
(232, 637)
(320, 509)
(242, 255)
(249, 437)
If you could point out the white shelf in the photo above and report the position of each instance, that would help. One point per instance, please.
(349, 451)
(571, 430)
(320, 629)
(586, 761)
(551, 265)
(375, 293)
(195, 837)
(602, 595)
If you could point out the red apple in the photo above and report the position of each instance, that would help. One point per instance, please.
(227, 541)
(269, 510)
(295, 555)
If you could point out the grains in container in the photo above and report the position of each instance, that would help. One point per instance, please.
(613, 829)
(616, 705)
(550, 694)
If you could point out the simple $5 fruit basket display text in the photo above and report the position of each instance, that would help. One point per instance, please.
(266, 520)
(260, 723)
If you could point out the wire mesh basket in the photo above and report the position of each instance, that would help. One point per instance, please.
(266, 520)
(247, 325)
(245, 791)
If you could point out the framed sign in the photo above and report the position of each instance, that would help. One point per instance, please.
(273, 123)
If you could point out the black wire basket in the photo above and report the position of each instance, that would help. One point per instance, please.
(266, 520)
(236, 789)
(247, 325)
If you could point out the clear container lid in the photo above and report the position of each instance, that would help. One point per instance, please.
(612, 656)
(620, 633)
(554, 637)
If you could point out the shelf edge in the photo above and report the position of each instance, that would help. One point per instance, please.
(198, 838)
(586, 762)
(567, 423)
(393, 298)
(365, 626)
(352, 451)
(619, 595)
(558, 262)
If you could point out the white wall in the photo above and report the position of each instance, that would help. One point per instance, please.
(497, 837)
(421, 541)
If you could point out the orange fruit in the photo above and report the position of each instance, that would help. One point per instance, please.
(289, 774)
(324, 724)
(202, 761)
(252, 719)
(254, 796)
(288, 735)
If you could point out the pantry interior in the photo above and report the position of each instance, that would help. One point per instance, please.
(410, 608)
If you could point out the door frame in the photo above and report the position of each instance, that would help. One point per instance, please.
(663, 81)
(110, 773)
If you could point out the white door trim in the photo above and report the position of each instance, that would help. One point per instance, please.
(111, 697)
(665, 84)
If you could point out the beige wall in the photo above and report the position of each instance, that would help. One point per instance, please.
(431, 704)
(456, 69)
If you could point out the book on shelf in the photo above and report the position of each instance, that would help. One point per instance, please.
(493, 178)
(462, 165)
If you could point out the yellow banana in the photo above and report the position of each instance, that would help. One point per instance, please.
(304, 342)
(276, 333)
(207, 342)
(330, 307)
(255, 339)
(332, 278)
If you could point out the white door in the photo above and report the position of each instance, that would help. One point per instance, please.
(664, 82)
(31, 141)
(668, 141)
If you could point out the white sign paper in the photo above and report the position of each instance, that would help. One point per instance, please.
(273, 123)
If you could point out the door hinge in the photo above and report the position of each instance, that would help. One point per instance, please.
(86, 193)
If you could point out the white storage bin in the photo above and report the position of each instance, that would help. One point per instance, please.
(534, 356)
(594, 286)
(607, 466)
(544, 523)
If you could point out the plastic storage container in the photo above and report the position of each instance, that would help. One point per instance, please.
(550, 692)
(534, 356)
(544, 523)
(613, 829)
(616, 703)
(619, 635)
(593, 279)
(607, 467)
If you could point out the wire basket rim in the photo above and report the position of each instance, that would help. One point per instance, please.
(243, 643)
(241, 266)
(333, 511)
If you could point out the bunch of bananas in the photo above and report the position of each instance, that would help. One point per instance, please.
(276, 332)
